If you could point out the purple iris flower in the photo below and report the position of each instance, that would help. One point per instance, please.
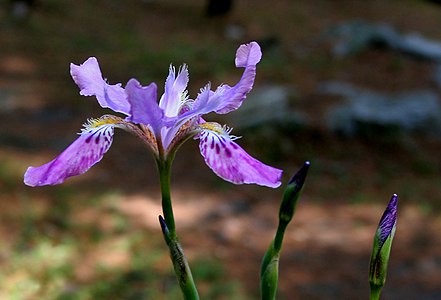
(163, 126)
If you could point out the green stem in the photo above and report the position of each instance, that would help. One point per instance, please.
(180, 264)
(269, 272)
(278, 239)
(375, 292)
(164, 168)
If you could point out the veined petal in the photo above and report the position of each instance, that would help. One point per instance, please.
(230, 162)
(227, 98)
(79, 157)
(174, 91)
(143, 106)
(90, 80)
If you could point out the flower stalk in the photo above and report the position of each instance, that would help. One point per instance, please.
(164, 168)
(180, 263)
(269, 271)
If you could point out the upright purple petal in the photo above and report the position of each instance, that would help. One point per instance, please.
(143, 106)
(227, 98)
(79, 157)
(175, 86)
(230, 162)
(91, 83)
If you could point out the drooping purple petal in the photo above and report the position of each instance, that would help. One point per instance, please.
(91, 83)
(79, 157)
(174, 91)
(144, 108)
(227, 98)
(388, 221)
(230, 162)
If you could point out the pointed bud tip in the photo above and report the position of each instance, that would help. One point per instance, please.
(393, 203)
(163, 224)
(300, 176)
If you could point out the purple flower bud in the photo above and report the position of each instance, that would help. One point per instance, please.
(388, 221)
(381, 248)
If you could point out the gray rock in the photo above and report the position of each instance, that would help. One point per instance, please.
(419, 46)
(436, 76)
(355, 36)
(414, 111)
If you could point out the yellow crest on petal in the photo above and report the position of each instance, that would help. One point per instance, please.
(217, 128)
(104, 120)
(213, 126)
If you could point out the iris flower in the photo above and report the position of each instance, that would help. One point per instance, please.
(162, 126)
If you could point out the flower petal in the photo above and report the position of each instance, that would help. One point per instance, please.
(143, 106)
(88, 77)
(227, 98)
(79, 157)
(248, 55)
(174, 91)
(230, 162)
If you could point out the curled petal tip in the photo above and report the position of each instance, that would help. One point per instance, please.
(248, 55)
(89, 79)
(29, 179)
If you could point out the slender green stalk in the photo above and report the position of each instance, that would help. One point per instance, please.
(269, 272)
(375, 292)
(164, 168)
(180, 264)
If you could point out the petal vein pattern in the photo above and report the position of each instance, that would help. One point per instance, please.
(79, 157)
(232, 163)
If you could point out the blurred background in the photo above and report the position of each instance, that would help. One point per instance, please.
(352, 86)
